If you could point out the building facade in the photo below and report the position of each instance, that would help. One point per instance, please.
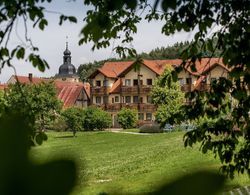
(118, 85)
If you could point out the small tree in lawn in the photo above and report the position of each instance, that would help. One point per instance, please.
(127, 118)
(169, 98)
(36, 100)
(96, 119)
(74, 119)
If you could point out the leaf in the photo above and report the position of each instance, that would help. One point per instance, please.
(57, 177)
(131, 4)
(202, 182)
(72, 19)
(166, 4)
(42, 24)
(4, 51)
(20, 53)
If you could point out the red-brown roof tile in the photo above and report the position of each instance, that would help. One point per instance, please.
(158, 66)
(116, 86)
(26, 80)
(205, 65)
(87, 89)
(198, 82)
(112, 69)
(68, 92)
(3, 86)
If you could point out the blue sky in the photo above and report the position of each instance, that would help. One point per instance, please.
(51, 41)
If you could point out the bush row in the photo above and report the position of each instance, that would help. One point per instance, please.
(78, 119)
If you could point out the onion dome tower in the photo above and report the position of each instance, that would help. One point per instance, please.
(67, 69)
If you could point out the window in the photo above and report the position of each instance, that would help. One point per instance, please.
(98, 100)
(113, 100)
(140, 116)
(212, 80)
(135, 82)
(105, 83)
(98, 83)
(149, 82)
(135, 99)
(127, 99)
(204, 81)
(181, 81)
(105, 99)
(127, 82)
(141, 99)
(149, 99)
(148, 116)
(116, 99)
(188, 81)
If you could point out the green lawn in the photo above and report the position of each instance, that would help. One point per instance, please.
(125, 162)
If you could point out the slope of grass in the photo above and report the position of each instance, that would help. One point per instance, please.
(123, 162)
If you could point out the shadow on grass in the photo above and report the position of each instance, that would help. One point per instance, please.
(66, 136)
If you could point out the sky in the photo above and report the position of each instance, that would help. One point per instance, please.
(51, 42)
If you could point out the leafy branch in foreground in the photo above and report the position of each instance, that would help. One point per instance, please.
(222, 26)
(23, 11)
(19, 175)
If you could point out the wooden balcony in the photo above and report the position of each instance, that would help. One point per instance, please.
(144, 89)
(187, 87)
(98, 90)
(118, 106)
(203, 87)
(113, 107)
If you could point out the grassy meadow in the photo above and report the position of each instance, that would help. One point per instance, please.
(128, 163)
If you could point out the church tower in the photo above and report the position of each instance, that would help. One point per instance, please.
(67, 71)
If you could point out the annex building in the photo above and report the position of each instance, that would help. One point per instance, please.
(69, 89)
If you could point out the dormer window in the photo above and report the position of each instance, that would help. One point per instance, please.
(149, 82)
(98, 83)
(105, 83)
(127, 82)
(188, 81)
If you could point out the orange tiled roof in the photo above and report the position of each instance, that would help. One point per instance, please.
(3, 86)
(26, 80)
(112, 69)
(206, 64)
(87, 89)
(115, 69)
(67, 92)
(158, 66)
(116, 86)
(198, 82)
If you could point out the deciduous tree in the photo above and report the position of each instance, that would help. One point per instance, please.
(127, 118)
(168, 97)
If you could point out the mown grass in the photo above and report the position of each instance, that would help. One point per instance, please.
(124, 162)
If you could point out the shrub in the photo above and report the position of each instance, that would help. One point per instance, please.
(96, 119)
(150, 128)
(127, 118)
(59, 124)
(74, 119)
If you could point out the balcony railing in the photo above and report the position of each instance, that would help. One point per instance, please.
(134, 89)
(98, 90)
(203, 87)
(187, 87)
(143, 107)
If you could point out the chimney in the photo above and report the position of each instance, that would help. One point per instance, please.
(30, 77)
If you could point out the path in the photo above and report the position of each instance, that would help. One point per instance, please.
(126, 132)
